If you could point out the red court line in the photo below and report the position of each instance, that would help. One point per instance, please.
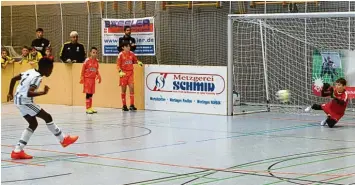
(187, 166)
(18, 162)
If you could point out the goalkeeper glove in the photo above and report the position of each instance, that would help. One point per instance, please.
(121, 73)
(140, 63)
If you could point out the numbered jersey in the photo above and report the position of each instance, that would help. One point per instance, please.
(30, 78)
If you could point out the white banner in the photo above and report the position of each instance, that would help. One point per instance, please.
(194, 89)
(142, 29)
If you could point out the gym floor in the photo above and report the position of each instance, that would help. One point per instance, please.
(153, 147)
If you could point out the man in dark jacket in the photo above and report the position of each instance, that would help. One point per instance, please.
(40, 43)
(126, 39)
(73, 51)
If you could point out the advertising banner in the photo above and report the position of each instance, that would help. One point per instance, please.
(194, 89)
(142, 30)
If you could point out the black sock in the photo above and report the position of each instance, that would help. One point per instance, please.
(316, 107)
(331, 122)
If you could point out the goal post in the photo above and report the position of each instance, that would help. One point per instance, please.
(272, 52)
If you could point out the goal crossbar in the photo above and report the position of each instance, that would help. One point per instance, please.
(293, 15)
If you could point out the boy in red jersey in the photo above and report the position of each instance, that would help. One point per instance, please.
(49, 53)
(336, 108)
(90, 73)
(125, 61)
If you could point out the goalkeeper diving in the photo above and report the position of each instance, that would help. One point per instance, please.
(335, 109)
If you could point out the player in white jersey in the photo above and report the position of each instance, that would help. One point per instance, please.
(26, 90)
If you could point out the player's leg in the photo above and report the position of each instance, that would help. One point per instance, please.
(131, 92)
(314, 107)
(64, 140)
(331, 122)
(88, 90)
(18, 152)
(123, 84)
(89, 103)
(123, 97)
(91, 94)
(131, 97)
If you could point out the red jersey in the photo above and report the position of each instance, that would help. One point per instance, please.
(90, 68)
(125, 60)
(51, 57)
(335, 106)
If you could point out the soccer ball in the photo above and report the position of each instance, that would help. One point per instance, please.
(283, 96)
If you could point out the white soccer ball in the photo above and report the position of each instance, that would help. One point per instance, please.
(283, 96)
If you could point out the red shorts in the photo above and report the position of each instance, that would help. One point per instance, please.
(128, 79)
(89, 86)
(333, 115)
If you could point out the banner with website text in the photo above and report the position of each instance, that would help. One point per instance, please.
(328, 66)
(194, 89)
(142, 30)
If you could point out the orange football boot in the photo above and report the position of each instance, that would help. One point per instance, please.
(68, 140)
(20, 155)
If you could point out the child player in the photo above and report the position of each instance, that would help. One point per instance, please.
(5, 59)
(27, 89)
(48, 53)
(125, 62)
(90, 73)
(334, 109)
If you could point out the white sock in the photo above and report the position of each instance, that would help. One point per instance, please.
(56, 131)
(25, 137)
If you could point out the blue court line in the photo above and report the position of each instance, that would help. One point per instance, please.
(175, 144)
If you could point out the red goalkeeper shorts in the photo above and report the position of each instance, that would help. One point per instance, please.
(89, 86)
(331, 113)
(128, 79)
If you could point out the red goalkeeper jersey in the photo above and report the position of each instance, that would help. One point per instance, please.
(90, 68)
(125, 60)
(335, 106)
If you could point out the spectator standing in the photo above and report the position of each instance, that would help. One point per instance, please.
(73, 51)
(40, 43)
(126, 39)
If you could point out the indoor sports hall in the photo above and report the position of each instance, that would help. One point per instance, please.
(221, 95)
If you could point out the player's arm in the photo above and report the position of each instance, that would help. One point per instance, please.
(98, 76)
(63, 53)
(342, 100)
(119, 66)
(119, 62)
(10, 95)
(33, 43)
(133, 45)
(33, 86)
(4, 63)
(327, 90)
(136, 61)
(83, 68)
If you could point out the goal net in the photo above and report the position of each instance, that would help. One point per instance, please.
(295, 52)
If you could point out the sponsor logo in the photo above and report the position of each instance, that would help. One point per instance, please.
(185, 83)
(128, 22)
